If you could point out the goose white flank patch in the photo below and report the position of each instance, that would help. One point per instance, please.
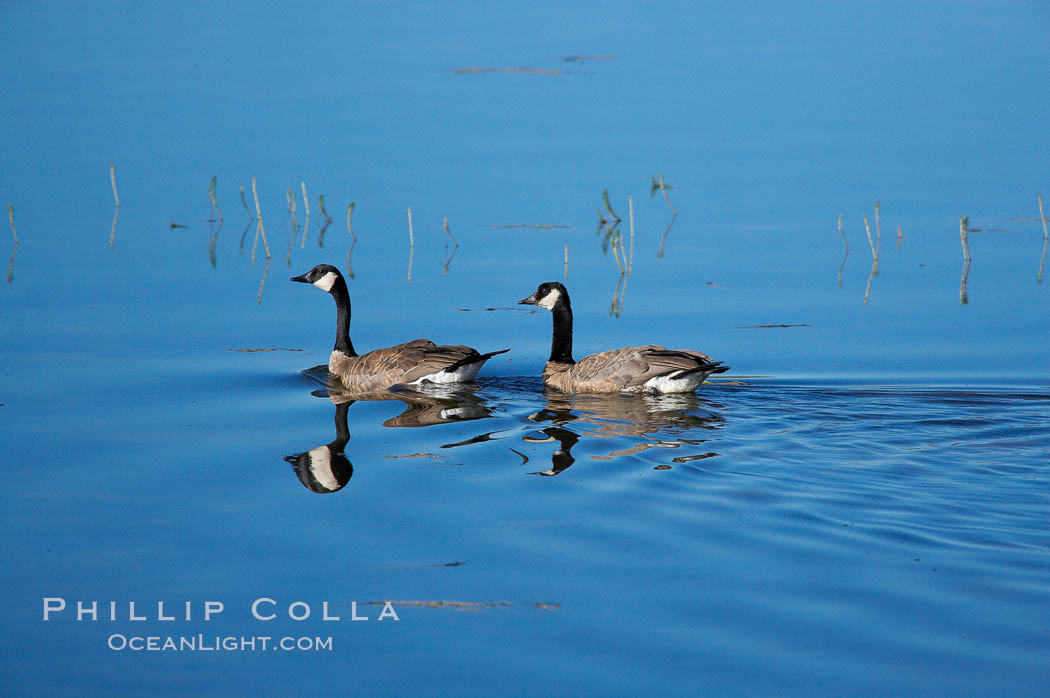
(412, 363)
(651, 369)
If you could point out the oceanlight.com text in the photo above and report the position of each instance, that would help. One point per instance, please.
(216, 643)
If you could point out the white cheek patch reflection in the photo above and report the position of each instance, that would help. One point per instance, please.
(321, 467)
(549, 300)
(326, 282)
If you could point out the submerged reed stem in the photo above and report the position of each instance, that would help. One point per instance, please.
(566, 262)
(349, 228)
(11, 217)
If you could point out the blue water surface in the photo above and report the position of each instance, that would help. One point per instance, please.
(857, 508)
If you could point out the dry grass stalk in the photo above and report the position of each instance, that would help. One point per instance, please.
(259, 230)
(211, 195)
(874, 249)
(113, 181)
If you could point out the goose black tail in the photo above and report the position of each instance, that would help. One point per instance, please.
(711, 367)
(475, 358)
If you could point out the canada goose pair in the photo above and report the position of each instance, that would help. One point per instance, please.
(632, 369)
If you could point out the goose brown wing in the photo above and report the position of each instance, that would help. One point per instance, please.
(410, 361)
(632, 367)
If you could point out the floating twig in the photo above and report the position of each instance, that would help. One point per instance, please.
(584, 58)
(773, 326)
(172, 225)
(509, 69)
(537, 227)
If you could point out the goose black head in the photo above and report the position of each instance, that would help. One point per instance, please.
(548, 295)
(323, 276)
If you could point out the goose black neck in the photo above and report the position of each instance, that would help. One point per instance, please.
(342, 431)
(561, 342)
(342, 322)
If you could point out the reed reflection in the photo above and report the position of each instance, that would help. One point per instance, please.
(651, 421)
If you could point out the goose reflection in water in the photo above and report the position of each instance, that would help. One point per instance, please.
(657, 421)
(326, 469)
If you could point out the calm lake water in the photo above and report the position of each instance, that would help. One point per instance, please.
(859, 507)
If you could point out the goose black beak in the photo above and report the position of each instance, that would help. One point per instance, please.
(531, 300)
(301, 279)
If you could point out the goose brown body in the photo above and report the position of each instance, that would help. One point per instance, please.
(650, 368)
(418, 361)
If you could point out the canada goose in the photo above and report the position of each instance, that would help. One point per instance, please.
(632, 369)
(411, 363)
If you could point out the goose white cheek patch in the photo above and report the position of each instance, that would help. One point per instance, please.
(549, 300)
(326, 282)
